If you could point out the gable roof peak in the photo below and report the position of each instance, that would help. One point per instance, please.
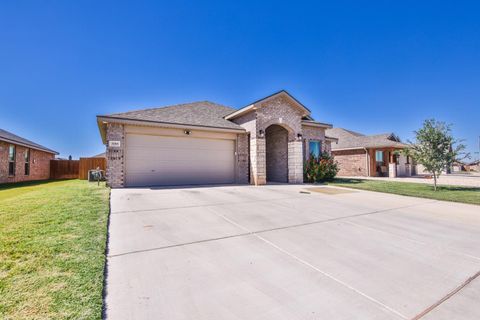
(251, 106)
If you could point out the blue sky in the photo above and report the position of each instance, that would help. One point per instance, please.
(370, 66)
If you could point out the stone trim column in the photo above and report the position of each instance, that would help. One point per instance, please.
(258, 161)
(392, 170)
(295, 162)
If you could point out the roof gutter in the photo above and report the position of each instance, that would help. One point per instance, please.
(343, 149)
(331, 139)
(372, 147)
(239, 112)
(316, 124)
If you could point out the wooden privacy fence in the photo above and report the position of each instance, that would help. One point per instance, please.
(75, 169)
(64, 169)
(90, 164)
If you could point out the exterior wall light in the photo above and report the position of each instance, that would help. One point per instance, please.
(261, 133)
(187, 132)
(299, 136)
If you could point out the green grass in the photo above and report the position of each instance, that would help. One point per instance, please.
(52, 249)
(446, 193)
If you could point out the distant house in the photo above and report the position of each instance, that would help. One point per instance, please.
(473, 166)
(100, 155)
(22, 159)
(369, 155)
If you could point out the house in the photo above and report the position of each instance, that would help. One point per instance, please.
(22, 159)
(473, 166)
(369, 156)
(208, 143)
(100, 155)
(458, 166)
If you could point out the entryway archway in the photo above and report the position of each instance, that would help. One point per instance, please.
(276, 140)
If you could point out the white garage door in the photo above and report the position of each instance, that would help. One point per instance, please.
(163, 160)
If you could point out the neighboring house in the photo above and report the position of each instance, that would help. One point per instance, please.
(22, 159)
(473, 166)
(100, 155)
(369, 156)
(205, 143)
(458, 166)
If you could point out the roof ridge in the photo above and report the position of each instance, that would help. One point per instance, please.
(192, 103)
(351, 132)
(16, 138)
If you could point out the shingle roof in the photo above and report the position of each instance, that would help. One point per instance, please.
(13, 138)
(350, 139)
(202, 113)
(100, 155)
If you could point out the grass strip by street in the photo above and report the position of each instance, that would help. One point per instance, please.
(52, 249)
(468, 195)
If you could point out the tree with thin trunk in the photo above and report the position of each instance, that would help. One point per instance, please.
(435, 148)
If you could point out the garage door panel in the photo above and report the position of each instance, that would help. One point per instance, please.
(141, 141)
(162, 160)
(169, 167)
(181, 155)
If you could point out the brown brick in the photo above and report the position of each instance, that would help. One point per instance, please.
(351, 162)
(39, 164)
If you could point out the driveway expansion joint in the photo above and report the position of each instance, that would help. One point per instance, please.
(311, 266)
(446, 297)
(255, 232)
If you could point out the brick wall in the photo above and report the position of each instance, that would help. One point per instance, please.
(115, 156)
(242, 159)
(351, 162)
(276, 154)
(276, 111)
(279, 111)
(313, 133)
(39, 164)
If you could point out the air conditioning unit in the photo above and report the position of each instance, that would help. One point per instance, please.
(96, 175)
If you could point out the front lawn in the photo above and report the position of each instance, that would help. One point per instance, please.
(52, 249)
(446, 193)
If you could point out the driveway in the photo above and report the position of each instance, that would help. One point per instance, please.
(289, 252)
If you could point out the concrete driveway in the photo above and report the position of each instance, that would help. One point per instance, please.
(278, 252)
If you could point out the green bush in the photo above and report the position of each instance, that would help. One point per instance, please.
(322, 168)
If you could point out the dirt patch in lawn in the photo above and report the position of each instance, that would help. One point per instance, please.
(328, 190)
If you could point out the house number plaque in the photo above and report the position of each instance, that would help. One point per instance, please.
(115, 144)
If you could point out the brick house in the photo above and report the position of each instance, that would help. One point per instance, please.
(207, 143)
(369, 156)
(22, 159)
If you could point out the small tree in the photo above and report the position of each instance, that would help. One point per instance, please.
(435, 148)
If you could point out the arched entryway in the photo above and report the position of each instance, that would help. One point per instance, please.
(276, 140)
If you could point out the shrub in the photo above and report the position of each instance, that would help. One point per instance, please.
(322, 168)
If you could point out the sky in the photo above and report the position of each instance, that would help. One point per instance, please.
(369, 66)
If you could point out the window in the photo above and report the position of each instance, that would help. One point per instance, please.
(379, 156)
(27, 162)
(315, 148)
(11, 160)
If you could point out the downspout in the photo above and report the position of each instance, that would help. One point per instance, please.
(366, 161)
